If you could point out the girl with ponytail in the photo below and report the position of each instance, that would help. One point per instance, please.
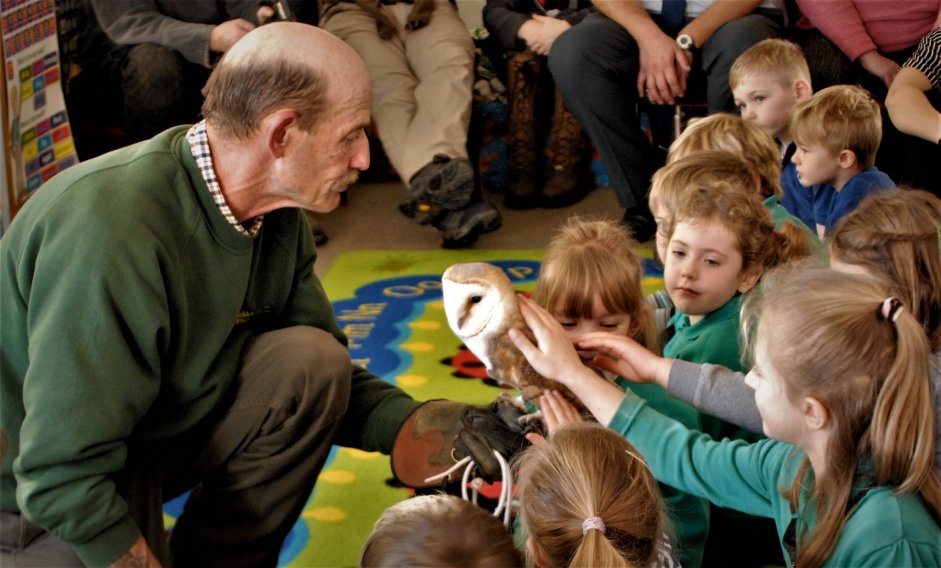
(841, 383)
(588, 499)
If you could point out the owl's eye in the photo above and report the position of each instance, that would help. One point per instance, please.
(475, 299)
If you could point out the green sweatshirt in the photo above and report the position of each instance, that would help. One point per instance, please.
(689, 514)
(126, 301)
(884, 530)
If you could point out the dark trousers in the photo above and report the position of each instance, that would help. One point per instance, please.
(595, 66)
(160, 88)
(250, 466)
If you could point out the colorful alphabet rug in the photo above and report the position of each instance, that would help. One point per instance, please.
(389, 305)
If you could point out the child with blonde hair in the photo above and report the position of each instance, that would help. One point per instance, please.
(837, 132)
(722, 239)
(590, 280)
(847, 472)
(754, 148)
(588, 499)
(767, 81)
(733, 134)
(439, 530)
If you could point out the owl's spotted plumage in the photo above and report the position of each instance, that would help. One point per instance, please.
(481, 307)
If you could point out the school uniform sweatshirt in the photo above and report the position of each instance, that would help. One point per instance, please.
(884, 530)
(127, 300)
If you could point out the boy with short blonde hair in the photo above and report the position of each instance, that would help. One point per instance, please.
(837, 133)
(768, 81)
(777, 59)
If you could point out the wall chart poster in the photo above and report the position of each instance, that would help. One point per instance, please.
(38, 137)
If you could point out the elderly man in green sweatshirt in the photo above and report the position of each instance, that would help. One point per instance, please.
(163, 329)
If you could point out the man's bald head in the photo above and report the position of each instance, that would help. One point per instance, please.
(280, 65)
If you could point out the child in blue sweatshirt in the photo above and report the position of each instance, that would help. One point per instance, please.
(837, 132)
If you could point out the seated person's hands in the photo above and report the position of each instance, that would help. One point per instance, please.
(223, 36)
(440, 433)
(880, 66)
(545, 32)
(664, 67)
(264, 14)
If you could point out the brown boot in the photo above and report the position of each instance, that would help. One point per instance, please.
(522, 70)
(568, 182)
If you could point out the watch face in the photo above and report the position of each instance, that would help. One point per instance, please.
(685, 41)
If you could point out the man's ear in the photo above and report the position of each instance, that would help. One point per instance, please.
(749, 278)
(815, 413)
(278, 129)
(802, 90)
(846, 158)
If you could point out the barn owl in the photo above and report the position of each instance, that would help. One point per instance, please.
(481, 307)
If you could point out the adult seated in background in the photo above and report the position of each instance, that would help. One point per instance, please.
(908, 103)
(422, 72)
(165, 49)
(653, 49)
(164, 330)
(523, 32)
(849, 42)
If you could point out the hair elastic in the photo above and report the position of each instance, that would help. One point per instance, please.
(890, 308)
(592, 523)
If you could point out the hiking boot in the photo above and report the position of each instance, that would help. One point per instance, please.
(522, 192)
(444, 184)
(564, 188)
(461, 228)
(566, 185)
(523, 70)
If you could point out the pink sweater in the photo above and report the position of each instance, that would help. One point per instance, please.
(858, 26)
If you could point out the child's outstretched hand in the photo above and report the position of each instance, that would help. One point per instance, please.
(627, 358)
(557, 412)
(553, 356)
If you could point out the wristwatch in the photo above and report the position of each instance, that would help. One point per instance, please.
(685, 41)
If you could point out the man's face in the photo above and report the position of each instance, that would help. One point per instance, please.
(329, 157)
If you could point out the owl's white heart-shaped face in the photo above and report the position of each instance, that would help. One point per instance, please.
(473, 308)
(478, 298)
